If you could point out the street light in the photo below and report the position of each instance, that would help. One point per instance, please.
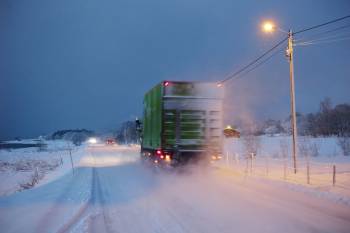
(269, 27)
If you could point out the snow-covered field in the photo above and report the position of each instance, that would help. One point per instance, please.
(328, 148)
(112, 191)
(320, 164)
(31, 167)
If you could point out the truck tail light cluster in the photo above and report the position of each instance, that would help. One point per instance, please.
(167, 158)
(216, 157)
(163, 155)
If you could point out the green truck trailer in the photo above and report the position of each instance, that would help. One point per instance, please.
(182, 121)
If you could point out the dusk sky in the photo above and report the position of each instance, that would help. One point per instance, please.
(87, 63)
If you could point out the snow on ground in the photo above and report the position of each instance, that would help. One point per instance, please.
(31, 167)
(321, 167)
(111, 190)
(328, 148)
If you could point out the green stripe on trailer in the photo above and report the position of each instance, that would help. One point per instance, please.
(152, 118)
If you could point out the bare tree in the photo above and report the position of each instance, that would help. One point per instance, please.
(251, 144)
(314, 149)
(304, 148)
(34, 179)
(344, 144)
(308, 149)
(250, 140)
(326, 105)
(284, 147)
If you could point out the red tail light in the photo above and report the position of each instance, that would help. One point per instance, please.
(158, 152)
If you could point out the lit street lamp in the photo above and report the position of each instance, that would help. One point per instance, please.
(269, 27)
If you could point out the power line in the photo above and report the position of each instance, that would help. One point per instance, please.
(254, 61)
(315, 42)
(259, 64)
(326, 32)
(321, 25)
(323, 38)
(275, 46)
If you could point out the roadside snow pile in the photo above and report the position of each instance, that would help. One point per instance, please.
(25, 168)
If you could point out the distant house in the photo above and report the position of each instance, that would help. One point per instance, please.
(230, 132)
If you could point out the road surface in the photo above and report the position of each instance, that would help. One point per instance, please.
(112, 191)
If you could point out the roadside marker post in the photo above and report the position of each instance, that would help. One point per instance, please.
(334, 171)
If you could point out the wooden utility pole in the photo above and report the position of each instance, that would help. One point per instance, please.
(292, 99)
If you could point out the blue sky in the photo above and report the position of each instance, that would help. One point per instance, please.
(87, 63)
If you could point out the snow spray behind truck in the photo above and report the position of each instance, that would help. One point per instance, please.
(182, 121)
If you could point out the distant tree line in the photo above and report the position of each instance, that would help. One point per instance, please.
(126, 133)
(76, 136)
(328, 121)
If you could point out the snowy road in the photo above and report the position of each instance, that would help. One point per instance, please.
(112, 191)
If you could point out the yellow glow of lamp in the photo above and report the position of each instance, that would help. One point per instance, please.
(228, 127)
(268, 26)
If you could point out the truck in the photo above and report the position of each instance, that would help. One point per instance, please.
(182, 122)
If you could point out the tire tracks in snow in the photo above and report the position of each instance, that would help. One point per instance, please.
(94, 211)
(83, 212)
(100, 222)
(58, 208)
